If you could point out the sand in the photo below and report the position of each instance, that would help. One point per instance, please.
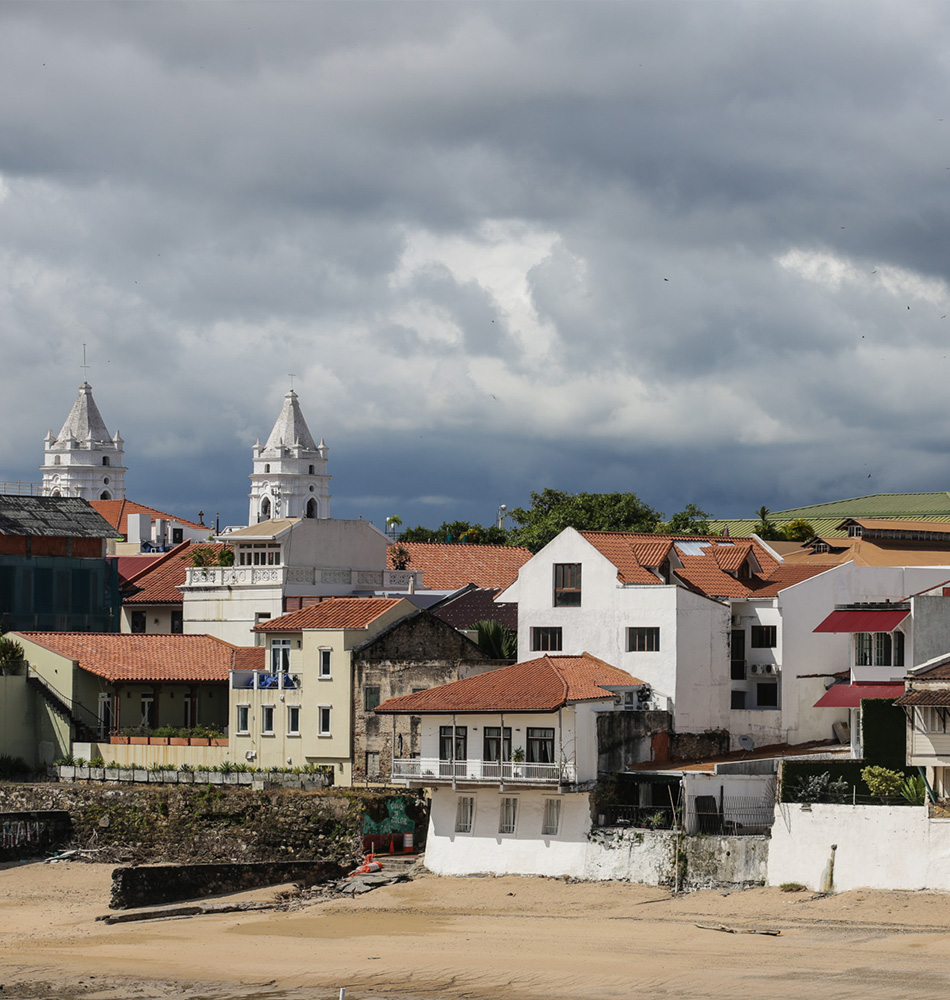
(455, 938)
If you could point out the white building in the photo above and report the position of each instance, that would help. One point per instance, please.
(290, 477)
(84, 460)
(510, 757)
(279, 565)
(721, 629)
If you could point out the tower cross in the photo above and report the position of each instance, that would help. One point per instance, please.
(291, 377)
(84, 366)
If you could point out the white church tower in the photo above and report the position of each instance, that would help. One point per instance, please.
(290, 471)
(84, 460)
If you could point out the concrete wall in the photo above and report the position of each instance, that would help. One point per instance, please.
(878, 847)
(145, 755)
(17, 718)
(646, 856)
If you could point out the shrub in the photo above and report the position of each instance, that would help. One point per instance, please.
(914, 790)
(883, 782)
(97, 762)
(820, 788)
(13, 767)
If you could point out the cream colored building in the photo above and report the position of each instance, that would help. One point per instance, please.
(299, 710)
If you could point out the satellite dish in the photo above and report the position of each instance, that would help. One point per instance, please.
(747, 743)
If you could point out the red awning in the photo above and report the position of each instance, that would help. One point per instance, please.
(877, 620)
(850, 695)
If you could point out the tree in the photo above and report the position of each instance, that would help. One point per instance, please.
(553, 510)
(497, 640)
(399, 556)
(209, 555)
(691, 520)
(456, 532)
(767, 529)
(10, 651)
(799, 530)
(393, 523)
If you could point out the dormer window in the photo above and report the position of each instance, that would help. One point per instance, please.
(821, 547)
(854, 531)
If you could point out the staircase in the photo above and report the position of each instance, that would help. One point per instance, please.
(83, 732)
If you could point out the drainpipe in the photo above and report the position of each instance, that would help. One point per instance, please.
(560, 752)
(452, 754)
(501, 754)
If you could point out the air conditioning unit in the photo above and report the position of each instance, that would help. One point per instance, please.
(767, 668)
(755, 669)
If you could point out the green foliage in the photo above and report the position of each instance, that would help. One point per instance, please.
(451, 532)
(399, 557)
(767, 529)
(792, 887)
(883, 782)
(10, 651)
(553, 510)
(820, 788)
(691, 520)
(497, 640)
(13, 767)
(206, 555)
(97, 762)
(914, 791)
(799, 530)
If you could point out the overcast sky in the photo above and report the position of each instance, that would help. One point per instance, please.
(697, 250)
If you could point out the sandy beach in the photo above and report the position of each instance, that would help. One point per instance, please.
(521, 938)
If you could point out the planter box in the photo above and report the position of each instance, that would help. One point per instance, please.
(112, 774)
(199, 741)
(186, 777)
(125, 774)
(140, 774)
(158, 741)
(119, 741)
(245, 778)
(97, 773)
(66, 772)
(202, 777)
(139, 741)
(215, 778)
(169, 777)
(178, 741)
(219, 741)
(82, 772)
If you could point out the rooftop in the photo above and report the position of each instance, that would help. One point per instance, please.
(117, 512)
(449, 567)
(542, 685)
(159, 580)
(146, 657)
(58, 517)
(335, 612)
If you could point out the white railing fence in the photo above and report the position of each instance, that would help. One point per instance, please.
(432, 769)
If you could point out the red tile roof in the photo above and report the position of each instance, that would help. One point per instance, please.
(449, 567)
(159, 581)
(636, 556)
(116, 512)
(476, 604)
(146, 657)
(337, 612)
(542, 685)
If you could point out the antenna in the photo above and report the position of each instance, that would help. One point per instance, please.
(84, 366)
(291, 377)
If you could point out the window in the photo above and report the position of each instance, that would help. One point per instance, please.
(324, 720)
(763, 636)
(738, 699)
(178, 536)
(370, 697)
(737, 654)
(508, 819)
(310, 472)
(324, 668)
(464, 814)
(178, 622)
(879, 649)
(446, 751)
(567, 585)
(546, 639)
(496, 747)
(293, 720)
(932, 720)
(105, 459)
(766, 695)
(540, 746)
(551, 819)
(267, 720)
(243, 718)
(138, 621)
(279, 656)
(643, 640)
(148, 711)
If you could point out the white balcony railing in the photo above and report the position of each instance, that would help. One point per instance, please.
(427, 769)
(260, 576)
(259, 680)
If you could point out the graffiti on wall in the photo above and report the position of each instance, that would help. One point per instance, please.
(30, 832)
(23, 833)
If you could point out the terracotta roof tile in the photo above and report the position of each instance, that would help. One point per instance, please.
(116, 512)
(337, 612)
(730, 558)
(146, 657)
(449, 567)
(476, 605)
(159, 581)
(705, 577)
(541, 685)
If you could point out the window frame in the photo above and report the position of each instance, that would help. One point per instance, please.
(244, 730)
(763, 637)
(324, 721)
(293, 720)
(567, 585)
(643, 638)
(325, 663)
(268, 712)
(367, 697)
(547, 639)
(551, 804)
(280, 656)
(508, 816)
(463, 813)
(537, 744)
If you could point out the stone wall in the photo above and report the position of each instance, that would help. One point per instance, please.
(204, 823)
(696, 746)
(420, 651)
(625, 738)
(172, 883)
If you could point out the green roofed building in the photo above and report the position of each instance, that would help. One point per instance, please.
(826, 517)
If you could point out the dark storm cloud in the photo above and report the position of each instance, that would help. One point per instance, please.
(652, 246)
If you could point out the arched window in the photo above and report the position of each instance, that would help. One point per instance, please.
(105, 459)
(105, 495)
(265, 509)
(311, 508)
(56, 493)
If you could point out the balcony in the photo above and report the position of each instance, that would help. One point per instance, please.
(260, 680)
(431, 771)
(283, 576)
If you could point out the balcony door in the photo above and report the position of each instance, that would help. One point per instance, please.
(496, 750)
(453, 759)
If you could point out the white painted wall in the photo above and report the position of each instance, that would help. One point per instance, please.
(878, 847)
